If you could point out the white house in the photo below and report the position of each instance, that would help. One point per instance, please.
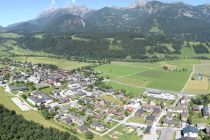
(33, 79)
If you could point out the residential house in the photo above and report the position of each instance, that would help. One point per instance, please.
(167, 122)
(205, 112)
(18, 88)
(82, 128)
(183, 100)
(186, 138)
(38, 98)
(169, 115)
(207, 131)
(150, 120)
(184, 116)
(156, 112)
(139, 113)
(148, 130)
(195, 108)
(166, 134)
(67, 120)
(190, 131)
(177, 109)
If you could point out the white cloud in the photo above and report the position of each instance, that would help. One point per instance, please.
(73, 1)
(52, 3)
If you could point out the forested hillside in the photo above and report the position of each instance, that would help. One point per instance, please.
(13, 127)
(112, 46)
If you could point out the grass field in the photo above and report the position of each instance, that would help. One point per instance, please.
(130, 89)
(122, 133)
(112, 99)
(148, 75)
(10, 35)
(61, 63)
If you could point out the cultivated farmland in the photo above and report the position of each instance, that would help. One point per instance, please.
(149, 75)
(199, 82)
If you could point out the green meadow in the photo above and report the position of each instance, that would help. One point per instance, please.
(61, 63)
(148, 75)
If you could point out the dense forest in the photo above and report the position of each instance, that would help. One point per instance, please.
(13, 127)
(102, 45)
(121, 46)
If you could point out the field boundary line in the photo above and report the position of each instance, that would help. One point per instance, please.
(188, 78)
(135, 73)
(129, 84)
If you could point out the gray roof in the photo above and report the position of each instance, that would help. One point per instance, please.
(151, 118)
(36, 100)
(67, 120)
(139, 112)
(190, 128)
(205, 111)
(17, 88)
(40, 98)
(148, 129)
(186, 138)
(82, 128)
(166, 134)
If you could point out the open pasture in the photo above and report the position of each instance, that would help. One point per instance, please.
(10, 35)
(61, 63)
(149, 75)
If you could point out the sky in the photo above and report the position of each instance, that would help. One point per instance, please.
(13, 11)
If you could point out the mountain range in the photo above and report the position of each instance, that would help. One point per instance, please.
(154, 17)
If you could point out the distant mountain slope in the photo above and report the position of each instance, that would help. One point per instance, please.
(154, 17)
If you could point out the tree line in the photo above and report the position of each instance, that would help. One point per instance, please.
(13, 127)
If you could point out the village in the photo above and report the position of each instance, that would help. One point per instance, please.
(80, 100)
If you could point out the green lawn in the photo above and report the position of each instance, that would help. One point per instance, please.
(121, 133)
(137, 120)
(62, 63)
(135, 91)
(197, 118)
(112, 99)
(148, 75)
